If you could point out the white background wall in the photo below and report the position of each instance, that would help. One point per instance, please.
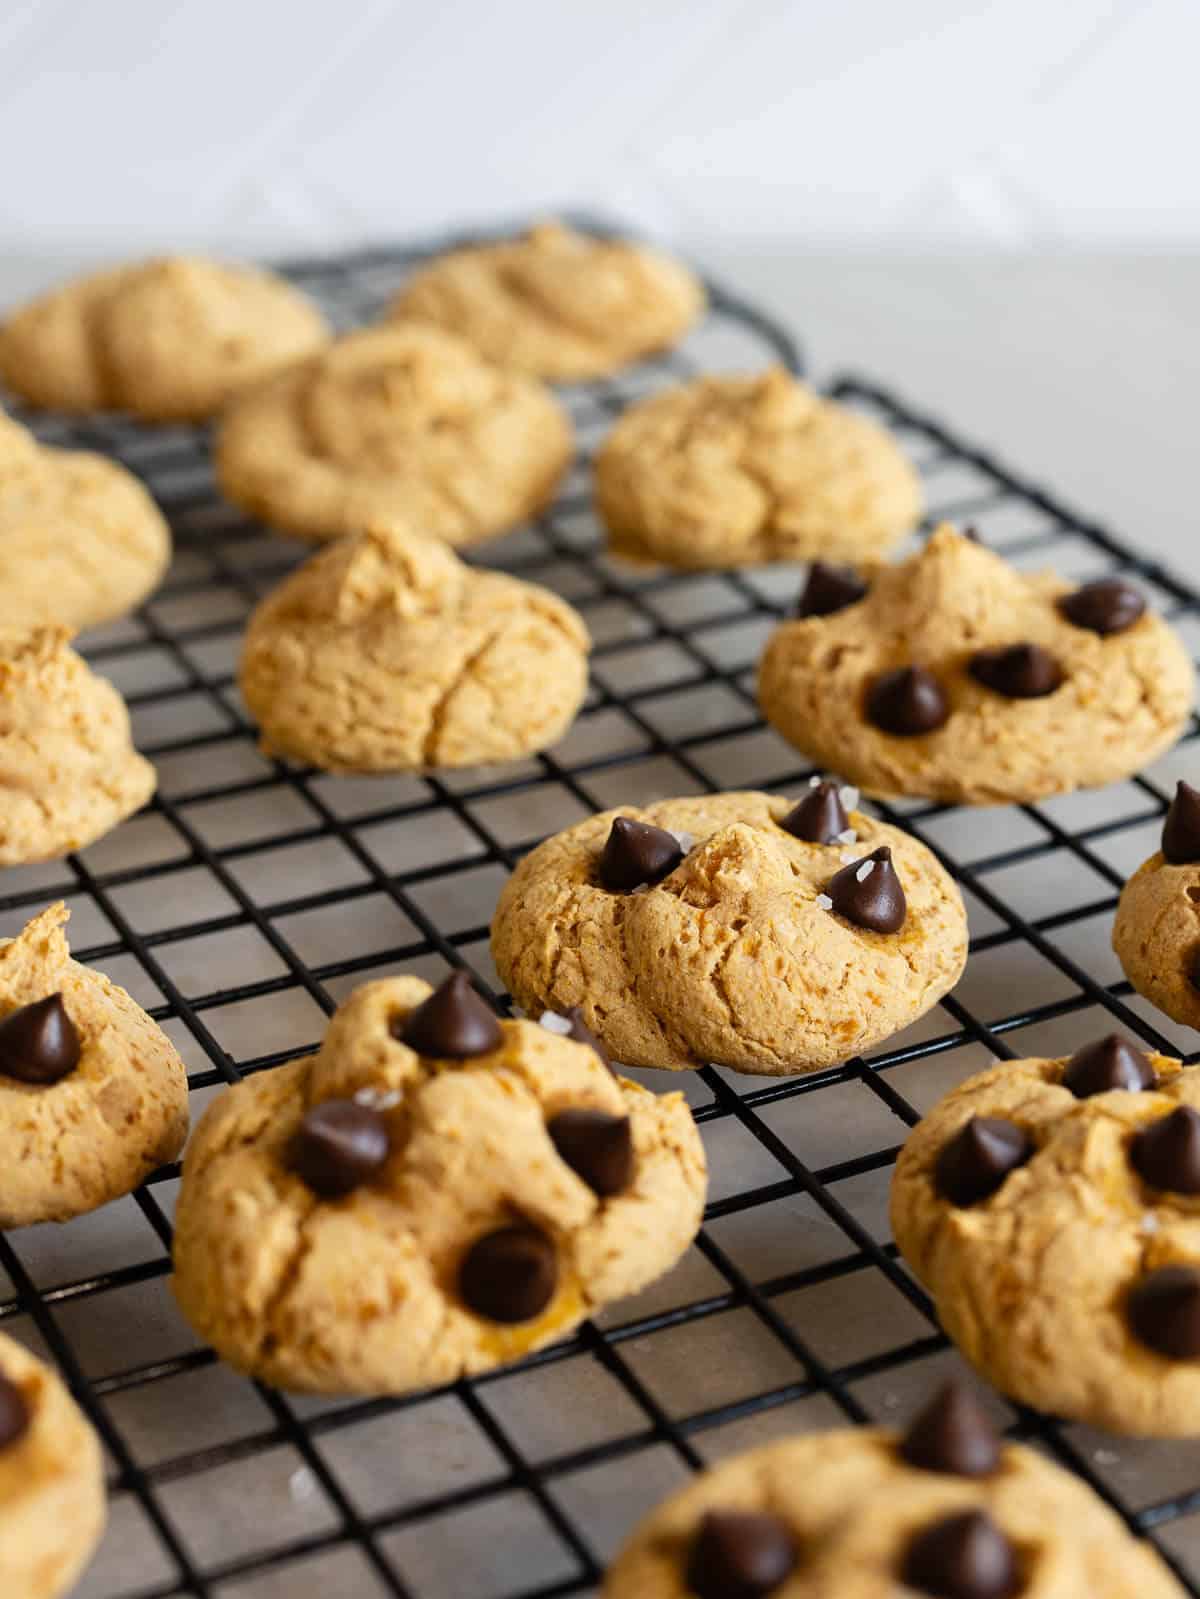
(1012, 124)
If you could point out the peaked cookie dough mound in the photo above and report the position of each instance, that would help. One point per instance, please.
(68, 771)
(737, 955)
(388, 1215)
(557, 304)
(91, 1101)
(51, 1480)
(963, 680)
(386, 653)
(402, 424)
(1041, 1218)
(734, 471)
(81, 541)
(168, 340)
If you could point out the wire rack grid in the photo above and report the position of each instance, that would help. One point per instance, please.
(251, 896)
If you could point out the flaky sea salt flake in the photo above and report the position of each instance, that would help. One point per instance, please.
(554, 1023)
(849, 797)
(686, 841)
(864, 871)
(824, 901)
(847, 836)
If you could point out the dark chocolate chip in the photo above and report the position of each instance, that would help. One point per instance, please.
(509, 1275)
(740, 1554)
(1106, 605)
(1181, 829)
(829, 589)
(1018, 671)
(596, 1145)
(635, 853)
(338, 1146)
(964, 1556)
(1109, 1063)
(1164, 1312)
(953, 1434)
(907, 702)
(873, 899)
(1194, 971)
(820, 816)
(974, 1163)
(14, 1413)
(1166, 1154)
(454, 1023)
(582, 1034)
(39, 1043)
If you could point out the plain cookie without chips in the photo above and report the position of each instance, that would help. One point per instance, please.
(555, 303)
(51, 1480)
(1052, 1208)
(735, 471)
(960, 679)
(93, 1095)
(404, 425)
(847, 1515)
(432, 1194)
(68, 771)
(168, 340)
(81, 541)
(386, 653)
(1156, 932)
(741, 951)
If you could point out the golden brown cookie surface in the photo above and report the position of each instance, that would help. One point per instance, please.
(1156, 931)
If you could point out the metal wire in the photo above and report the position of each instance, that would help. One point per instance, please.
(183, 892)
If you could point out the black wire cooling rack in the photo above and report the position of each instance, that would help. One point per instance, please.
(249, 898)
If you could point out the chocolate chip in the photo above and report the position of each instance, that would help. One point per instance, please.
(870, 898)
(582, 1034)
(953, 1434)
(829, 589)
(964, 1556)
(1109, 1063)
(907, 702)
(1166, 1154)
(338, 1146)
(974, 1163)
(820, 816)
(1181, 828)
(1106, 605)
(1164, 1312)
(740, 1554)
(454, 1023)
(596, 1145)
(509, 1275)
(1194, 971)
(1018, 671)
(635, 853)
(39, 1043)
(14, 1413)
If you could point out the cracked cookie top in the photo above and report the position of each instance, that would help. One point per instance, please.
(1156, 932)
(68, 769)
(734, 471)
(404, 424)
(745, 945)
(555, 303)
(434, 1193)
(81, 541)
(93, 1096)
(385, 652)
(961, 679)
(1052, 1207)
(168, 340)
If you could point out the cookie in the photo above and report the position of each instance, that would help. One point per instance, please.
(1156, 932)
(734, 471)
(946, 1509)
(93, 1096)
(68, 771)
(385, 653)
(403, 425)
(555, 303)
(81, 541)
(167, 340)
(434, 1193)
(960, 679)
(51, 1480)
(733, 928)
(1051, 1208)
